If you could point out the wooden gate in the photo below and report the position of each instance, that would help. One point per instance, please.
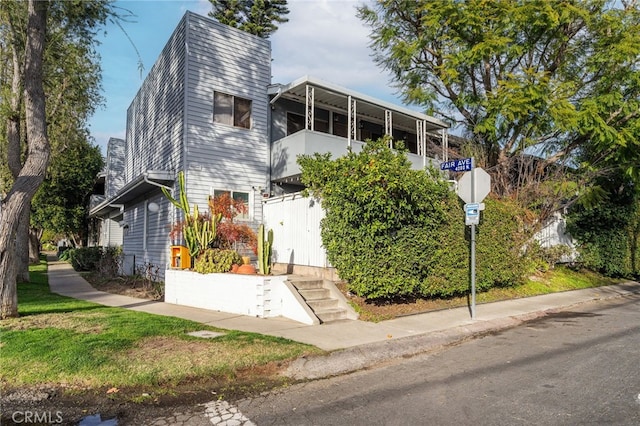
(295, 221)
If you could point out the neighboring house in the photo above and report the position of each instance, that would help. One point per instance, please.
(107, 225)
(208, 107)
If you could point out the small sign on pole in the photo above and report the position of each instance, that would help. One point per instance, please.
(472, 214)
(473, 187)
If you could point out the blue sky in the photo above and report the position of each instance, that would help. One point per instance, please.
(323, 38)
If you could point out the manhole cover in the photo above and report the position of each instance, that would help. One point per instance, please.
(205, 334)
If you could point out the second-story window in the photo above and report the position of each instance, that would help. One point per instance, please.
(231, 110)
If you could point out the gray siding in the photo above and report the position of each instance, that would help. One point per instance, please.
(155, 117)
(170, 127)
(147, 238)
(114, 179)
(224, 59)
(110, 233)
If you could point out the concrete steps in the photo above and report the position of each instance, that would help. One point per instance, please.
(318, 297)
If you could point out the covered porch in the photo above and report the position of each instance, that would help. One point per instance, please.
(312, 116)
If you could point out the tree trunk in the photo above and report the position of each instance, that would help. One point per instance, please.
(34, 246)
(14, 156)
(22, 246)
(32, 173)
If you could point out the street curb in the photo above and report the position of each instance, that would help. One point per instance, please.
(344, 361)
(348, 360)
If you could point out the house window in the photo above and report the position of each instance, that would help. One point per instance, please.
(231, 110)
(239, 196)
(340, 125)
(296, 122)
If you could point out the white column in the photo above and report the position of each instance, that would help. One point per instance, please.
(309, 116)
(388, 125)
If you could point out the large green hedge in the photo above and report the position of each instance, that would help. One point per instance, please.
(608, 233)
(395, 232)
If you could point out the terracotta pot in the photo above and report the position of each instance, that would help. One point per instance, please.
(247, 269)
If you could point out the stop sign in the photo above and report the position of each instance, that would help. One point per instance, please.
(473, 186)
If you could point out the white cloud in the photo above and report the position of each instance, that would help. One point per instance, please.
(325, 39)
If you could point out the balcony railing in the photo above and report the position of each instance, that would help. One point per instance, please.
(284, 152)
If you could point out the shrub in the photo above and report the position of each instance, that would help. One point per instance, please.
(608, 233)
(49, 246)
(546, 258)
(230, 234)
(501, 260)
(84, 258)
(109, 264)
(217, 260)
(396, 232)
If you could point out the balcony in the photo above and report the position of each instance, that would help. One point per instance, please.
(284, 152)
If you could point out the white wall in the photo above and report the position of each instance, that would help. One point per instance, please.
(295, 221)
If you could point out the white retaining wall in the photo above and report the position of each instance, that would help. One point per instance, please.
(253, 295)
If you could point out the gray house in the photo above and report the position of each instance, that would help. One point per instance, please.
(208, 108)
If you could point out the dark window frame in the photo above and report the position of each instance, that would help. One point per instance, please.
(232, 110)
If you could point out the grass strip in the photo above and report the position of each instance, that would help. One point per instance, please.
(555, 280)
(60, 340)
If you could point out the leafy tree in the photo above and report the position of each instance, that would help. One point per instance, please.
(37, 33)
(532, 83)
(71, 81)
(61, 203)
(258, 17)
(32, 171)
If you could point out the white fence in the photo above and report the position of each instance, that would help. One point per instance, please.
(554, 233)
(295, 221)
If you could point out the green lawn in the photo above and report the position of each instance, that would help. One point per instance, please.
(63, 341)
(553, 281)
(556, 280)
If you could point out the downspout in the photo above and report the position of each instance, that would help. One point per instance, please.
(185, 93)
(269, 139)
(159, 185)
(185, 88)
(269, 152)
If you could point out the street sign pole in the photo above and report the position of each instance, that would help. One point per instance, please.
(473, 187)
(473, 245)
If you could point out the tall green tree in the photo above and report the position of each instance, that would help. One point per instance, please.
(32, 171)
(61, 203)
(36, 33)
(522, 78)
(258, 17)
(71, 82)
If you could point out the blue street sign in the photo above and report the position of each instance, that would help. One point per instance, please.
(462, 165)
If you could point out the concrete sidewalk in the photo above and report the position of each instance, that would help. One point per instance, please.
(354, 344)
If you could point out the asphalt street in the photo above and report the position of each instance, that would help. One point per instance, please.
(578, 367)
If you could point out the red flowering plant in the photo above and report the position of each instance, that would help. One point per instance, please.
(175, 233)
(232, 235)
